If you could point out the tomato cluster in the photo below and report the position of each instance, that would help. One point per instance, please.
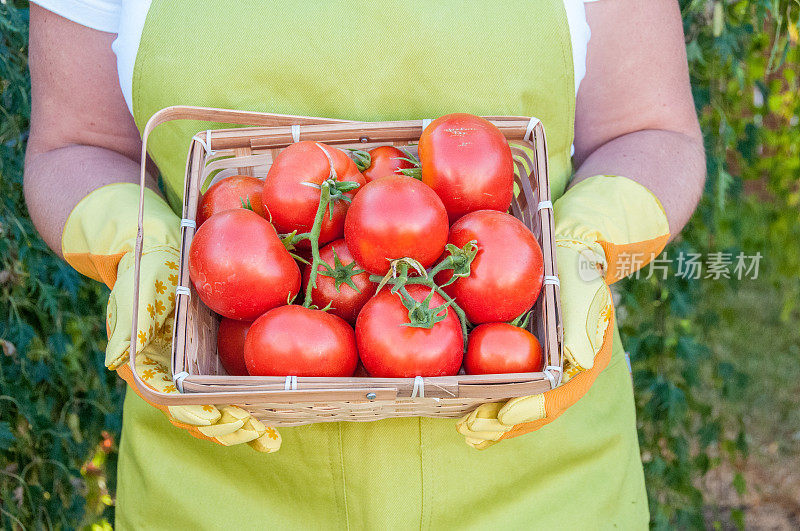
(401, 258)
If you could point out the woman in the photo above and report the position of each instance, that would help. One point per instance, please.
(101, 69)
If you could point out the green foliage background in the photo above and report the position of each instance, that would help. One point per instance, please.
(708, 356)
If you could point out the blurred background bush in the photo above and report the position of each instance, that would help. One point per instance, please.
(715, 361)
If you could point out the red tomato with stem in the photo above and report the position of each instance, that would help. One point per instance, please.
(468, 162)
(395, 217)
(297, 341)
(239, 266)
(237, 191)
(391, 349)
(291, 204)
(506, 274)
(230, 345)
(335, 285)
(386, 161)
(502, 348)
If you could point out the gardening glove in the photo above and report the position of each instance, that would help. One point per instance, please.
(98, 241)
(606, 227)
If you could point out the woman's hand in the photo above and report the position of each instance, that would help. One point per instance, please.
(228, 426)
(98, 241)
(600, 224)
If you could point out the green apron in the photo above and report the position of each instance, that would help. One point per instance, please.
(386, 60)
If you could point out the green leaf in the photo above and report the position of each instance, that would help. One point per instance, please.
(245, 201)
(6, 436)
(737, 515)
(739, 484)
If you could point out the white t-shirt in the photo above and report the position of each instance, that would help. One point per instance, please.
(126, 18)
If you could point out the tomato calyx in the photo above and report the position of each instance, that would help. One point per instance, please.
(416, 171)
(327, 307)
(398, 273)
(336, 192)
(523, 320)
(362, 159)
(289, 241)
(420, 314)
(246, 203)
(398, 278)
(340, 273)
(459, 260)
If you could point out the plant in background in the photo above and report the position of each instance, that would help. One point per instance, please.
(59, 407)
(742, 56)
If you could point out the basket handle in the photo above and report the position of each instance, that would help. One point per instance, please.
(206, 114)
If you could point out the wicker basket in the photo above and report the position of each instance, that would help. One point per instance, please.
(291, 401)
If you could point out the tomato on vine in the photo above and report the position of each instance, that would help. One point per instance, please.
(230, 345)
(291, 190)
(502, 348)
(383, 161)
(340, 283)
(297, 341)
(237, 191)
(401, 338)
(506, 274)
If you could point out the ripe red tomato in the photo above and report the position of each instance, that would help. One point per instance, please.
(385, 161)
(297, 341)
(395, 217)
(391, 350)
(501, 348)
(230, 345)
(346, 302)
(468, 162)
(239, 266)
(290, 204)
(506, 274)
(229, 193)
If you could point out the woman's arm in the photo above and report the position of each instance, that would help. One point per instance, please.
(635, 116)
(82, 134)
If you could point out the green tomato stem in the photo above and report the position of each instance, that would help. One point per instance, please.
(313, 237)
(441, 266)
(462, 317)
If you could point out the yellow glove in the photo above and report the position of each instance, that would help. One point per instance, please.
(607, 227)
(98, 240)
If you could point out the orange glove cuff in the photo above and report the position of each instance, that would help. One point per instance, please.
(557, 400)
